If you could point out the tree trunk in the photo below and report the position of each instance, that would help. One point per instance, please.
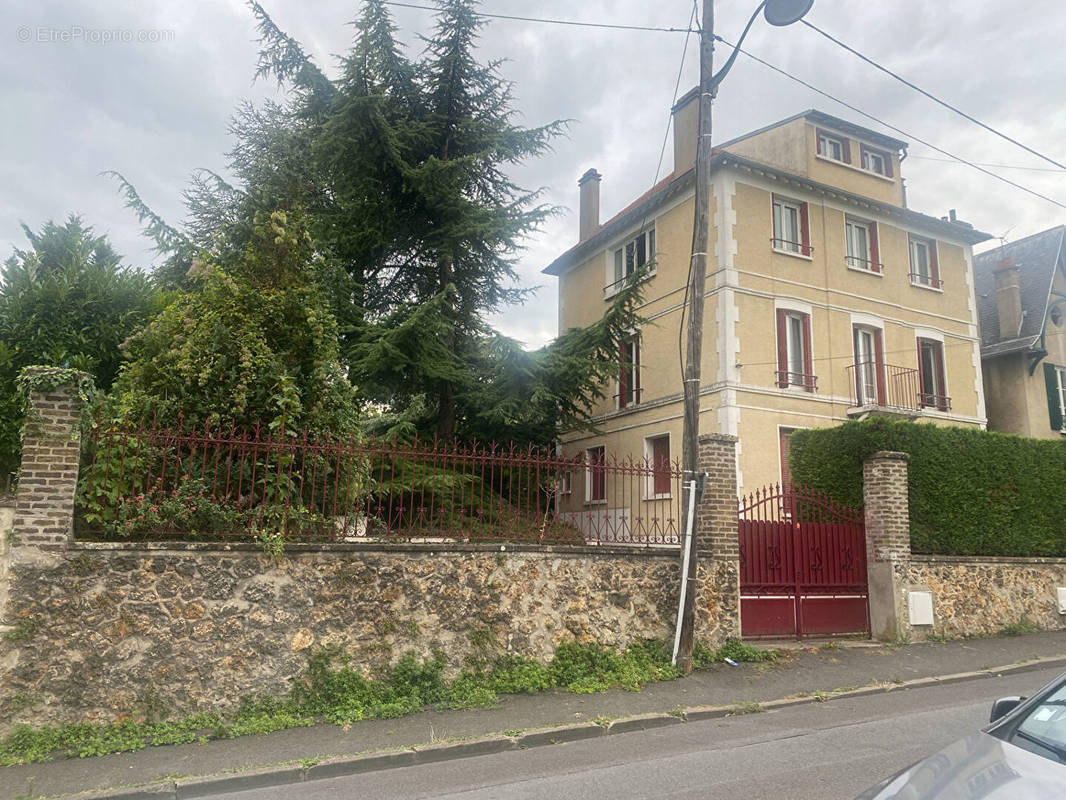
(446, 396)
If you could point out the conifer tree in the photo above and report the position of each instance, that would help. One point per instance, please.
(401, 170)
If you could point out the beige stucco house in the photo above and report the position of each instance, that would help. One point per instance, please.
(827, 297)
(1021, 297)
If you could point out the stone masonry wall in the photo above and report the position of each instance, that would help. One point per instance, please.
(976, 596)
(106, 629)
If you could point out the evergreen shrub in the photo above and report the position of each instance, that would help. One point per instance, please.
(972, 492)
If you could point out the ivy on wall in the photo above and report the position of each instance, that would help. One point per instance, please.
(971, 492)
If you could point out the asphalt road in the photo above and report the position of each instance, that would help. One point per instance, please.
(816, 752)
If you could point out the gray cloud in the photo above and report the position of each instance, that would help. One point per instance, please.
(158, 110)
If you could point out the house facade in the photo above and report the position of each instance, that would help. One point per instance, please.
(827, 299)
(1021, 297)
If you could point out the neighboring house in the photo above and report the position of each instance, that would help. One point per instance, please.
(1021, 296)
(827, 299)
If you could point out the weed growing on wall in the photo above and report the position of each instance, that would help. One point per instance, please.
(333, 690)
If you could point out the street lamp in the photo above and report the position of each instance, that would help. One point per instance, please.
(778, 13)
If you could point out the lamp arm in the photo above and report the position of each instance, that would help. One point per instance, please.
(719, 76)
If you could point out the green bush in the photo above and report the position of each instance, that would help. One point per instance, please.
(971, 492)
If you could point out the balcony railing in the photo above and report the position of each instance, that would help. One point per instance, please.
(786, 246)
(786, 379)
(885, 386)
(611, 289)
(864, 264)
(926, 280)
(941, 402)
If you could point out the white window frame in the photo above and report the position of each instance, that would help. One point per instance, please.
(868, 157)
(782, 243)
(1060, 377)
(929, 280)
(863, 263)
(617, 268)
(795, 357)
(824, 139)
(920, 337)
(566, 483)
(649, 455)
(588, 475)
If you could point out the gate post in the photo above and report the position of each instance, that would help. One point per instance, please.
(717, 546)
(888, 542)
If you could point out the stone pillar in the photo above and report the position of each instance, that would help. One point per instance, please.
(717, 546)
(48, 478)
(888, 542)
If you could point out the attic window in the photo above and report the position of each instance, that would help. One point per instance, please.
(833, 147)
(876, 161)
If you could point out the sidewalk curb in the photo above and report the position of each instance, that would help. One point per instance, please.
(285, 774)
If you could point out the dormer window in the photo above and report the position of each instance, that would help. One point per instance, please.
(876, 161)
(833, 147)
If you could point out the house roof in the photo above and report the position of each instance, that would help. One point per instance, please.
(1036, 257)
(828, 121)
(673, 185)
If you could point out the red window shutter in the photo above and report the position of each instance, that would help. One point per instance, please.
(808, 365)
(875, 254)
(635, 378)
(598, 474)
(818, 142)
(934, 267)
(805, 230)
(921, 376)
(782, 349)
(879, 359)
(889, 158)
(846, 149)
(942, 384)
(660, 459)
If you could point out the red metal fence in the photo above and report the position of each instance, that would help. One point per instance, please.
(203, 483)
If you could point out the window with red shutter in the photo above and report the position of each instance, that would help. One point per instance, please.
(629, 372)
(596, 474)
(795, 365)
(657, 449)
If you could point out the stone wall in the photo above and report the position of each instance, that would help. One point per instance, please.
(107, 629)
(976, 596)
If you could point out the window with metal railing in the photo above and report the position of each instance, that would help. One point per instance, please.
(863, 252)
(628, 258)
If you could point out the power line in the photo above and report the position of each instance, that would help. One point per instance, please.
(879, 121)
(546, 21)
(935, 99)
(980, 164)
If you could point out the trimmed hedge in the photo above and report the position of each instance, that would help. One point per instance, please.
(972, 492)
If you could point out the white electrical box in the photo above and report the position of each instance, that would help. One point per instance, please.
(920, 607)
(1060, 595)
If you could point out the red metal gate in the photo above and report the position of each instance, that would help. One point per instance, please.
(802, 565)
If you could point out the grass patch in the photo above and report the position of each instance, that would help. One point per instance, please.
(1020, 628)
(332, 690)
(749, 707)
(732, 650)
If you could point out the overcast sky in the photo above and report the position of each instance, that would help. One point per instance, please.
(157, 107)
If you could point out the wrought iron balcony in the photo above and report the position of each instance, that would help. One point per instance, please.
(884, 386)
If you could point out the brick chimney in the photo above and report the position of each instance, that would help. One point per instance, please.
(686, 114)
(589, 215)
(1008, 299)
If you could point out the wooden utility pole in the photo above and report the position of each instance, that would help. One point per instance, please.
(690, 456)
